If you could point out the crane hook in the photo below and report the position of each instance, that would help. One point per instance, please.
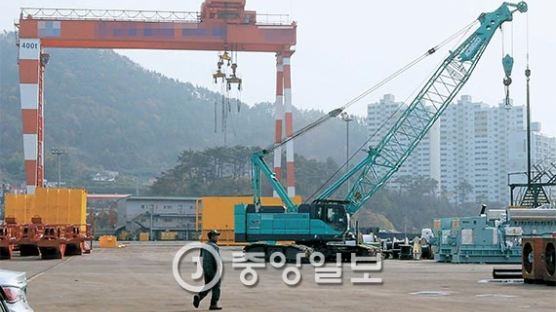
(508, 64)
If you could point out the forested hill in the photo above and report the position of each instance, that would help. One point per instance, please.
(111, 114)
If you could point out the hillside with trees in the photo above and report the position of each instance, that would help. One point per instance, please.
(109, 113)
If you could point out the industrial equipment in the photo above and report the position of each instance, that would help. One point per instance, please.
(234, 79)
(29, 237)
(60, 240)
(506, 273)
(533, 222)
(228, 79)
(324, 224)
(50, 223)
(539, 260)
(219, 74)
(530, 192)
(477, 239)
(550, 261)
(495, 236)
(52, 244)
(406, 252)
(538, 244)
(507, 63)
(8, 238)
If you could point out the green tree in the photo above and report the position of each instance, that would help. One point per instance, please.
(463, 189)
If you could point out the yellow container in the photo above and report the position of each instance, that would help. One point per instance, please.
(52, 205)
(61, 205)
(143, 236)
(168, 235)
(217, 212)
(108, 241)
(19, 206)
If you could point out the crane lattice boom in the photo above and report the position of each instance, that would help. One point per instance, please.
(383, 160)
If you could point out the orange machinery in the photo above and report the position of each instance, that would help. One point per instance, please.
(539, 259)
(60, 240)
(9, 234)
(50, 223)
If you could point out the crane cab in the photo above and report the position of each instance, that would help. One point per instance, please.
(319, 226)
(318, 221)
(333, 213)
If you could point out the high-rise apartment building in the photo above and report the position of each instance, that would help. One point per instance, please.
(474, 149)
(470, 150)
(424, 161)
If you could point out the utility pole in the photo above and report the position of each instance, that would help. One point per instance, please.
(58, 152)
(528, 77)
(151, 226)
(347, 118)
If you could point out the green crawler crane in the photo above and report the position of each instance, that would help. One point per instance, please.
(324, 224)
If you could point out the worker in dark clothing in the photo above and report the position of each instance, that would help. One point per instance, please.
(209, 272)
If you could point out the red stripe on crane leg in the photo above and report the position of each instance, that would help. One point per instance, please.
(29, 118)
(289, 124)
(278, 172)
(291, 173)
(278, 133)
(278, 116)
(279, 82)
(28, 71)
(30, 172)
(287, 77)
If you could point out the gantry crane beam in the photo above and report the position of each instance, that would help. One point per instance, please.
(211, 34)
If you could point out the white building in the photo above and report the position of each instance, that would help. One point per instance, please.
(471, 150)
(480, 145)
(156, 215)
(424, 161)
(474, 149)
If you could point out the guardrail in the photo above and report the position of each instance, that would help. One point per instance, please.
(110, 15)
(273, 19)
(136, 15)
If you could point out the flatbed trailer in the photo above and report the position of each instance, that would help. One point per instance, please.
(8, 239)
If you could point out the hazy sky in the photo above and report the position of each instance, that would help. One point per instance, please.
(344, 47)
